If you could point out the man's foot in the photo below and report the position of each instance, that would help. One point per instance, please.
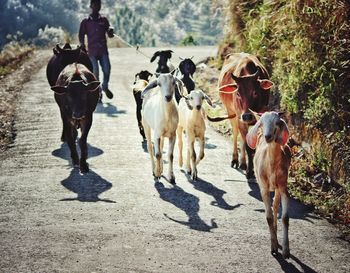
(108, 92)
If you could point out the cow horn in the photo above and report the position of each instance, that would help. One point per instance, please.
(257, 73)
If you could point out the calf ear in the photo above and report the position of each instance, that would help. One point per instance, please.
(149, 86)
(252, 136)
(93, 86)
(265, 84)
(284, 133)
(59, 90)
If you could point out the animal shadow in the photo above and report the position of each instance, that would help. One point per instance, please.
(289, 267)
(64, 152)
(210, 189)
(109, 109)
(186, 202)
(208, 145)
(88, 186)
(296, 210)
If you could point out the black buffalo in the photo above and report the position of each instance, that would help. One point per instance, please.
(62, 57)
(77, 93)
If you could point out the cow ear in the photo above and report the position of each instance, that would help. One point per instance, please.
(265, 84)
(155, 55)
(283, 136)
(59, 90)
(93, 86)
(252, 136)
(228, 88)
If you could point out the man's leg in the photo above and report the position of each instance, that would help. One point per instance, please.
(95, 69)
(106, 69)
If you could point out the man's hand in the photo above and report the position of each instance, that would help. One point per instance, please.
(110, 32)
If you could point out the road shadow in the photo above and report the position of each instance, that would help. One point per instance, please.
(186, 202)
(64, 152)
(210, 189)
(109, 109)
(288, 267)
(88, 186)
(296, 210)
(144, 145)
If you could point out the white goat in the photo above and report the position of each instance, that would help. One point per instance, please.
(271, 162)
(191, 120)
(159, 113)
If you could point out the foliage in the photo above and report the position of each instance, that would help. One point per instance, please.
(305, 44)
(188, 40)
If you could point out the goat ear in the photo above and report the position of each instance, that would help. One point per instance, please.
(252, 136)
(155, 55)
(189, 106)
(59, 90)
(256, 115)
(229, 88)
(149, 86)
(284, 133)
(206, 97)
(265, 84)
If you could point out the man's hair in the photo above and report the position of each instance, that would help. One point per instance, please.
(95, 2)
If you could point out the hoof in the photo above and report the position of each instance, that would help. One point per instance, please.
(172, 180)
(84, 168)
(286, 254)
(243, 166)
(234, 164)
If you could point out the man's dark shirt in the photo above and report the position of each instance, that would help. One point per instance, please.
(95, 29)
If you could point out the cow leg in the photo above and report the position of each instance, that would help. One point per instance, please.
(85, 128)
(234, 125)
(250, 171)
(171, 176)
(269, 217)
(243, 129)
(180, 144)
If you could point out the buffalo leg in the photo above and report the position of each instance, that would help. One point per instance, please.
(86, 125)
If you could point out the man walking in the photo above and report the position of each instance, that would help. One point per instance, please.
(96, 27)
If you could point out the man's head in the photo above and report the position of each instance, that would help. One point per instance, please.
(95, 5)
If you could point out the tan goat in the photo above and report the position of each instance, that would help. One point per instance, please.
(271, 163)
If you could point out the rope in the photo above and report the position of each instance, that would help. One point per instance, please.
(131, 46)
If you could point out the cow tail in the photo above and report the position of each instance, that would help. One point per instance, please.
(217, 119)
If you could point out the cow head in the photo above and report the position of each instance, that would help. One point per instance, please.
(187, 66)
(76, 94)
(251, 93)
(166, 83)
(164, 56)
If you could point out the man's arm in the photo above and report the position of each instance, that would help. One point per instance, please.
(82, 32)
(109, 29)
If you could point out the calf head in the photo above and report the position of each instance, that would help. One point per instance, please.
(251, 93)
(187, 66)
(143, 75)
(76, 94)
(166, 83)
(273, 129)
(194, 100)
(164, 56)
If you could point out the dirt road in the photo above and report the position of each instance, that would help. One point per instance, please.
(118, 219)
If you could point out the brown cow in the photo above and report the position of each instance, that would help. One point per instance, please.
(243, 85)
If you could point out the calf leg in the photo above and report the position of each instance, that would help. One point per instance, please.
(149, 145)
(171, 159)
(285, 224)
(193, 159)
(158, 154)
(269, 217)
(85, 128)
(180, 144)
